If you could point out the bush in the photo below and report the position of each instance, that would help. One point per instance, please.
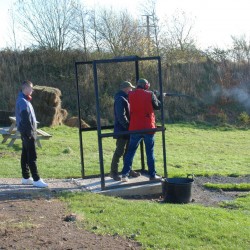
(244, 118)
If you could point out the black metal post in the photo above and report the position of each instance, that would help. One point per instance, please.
(99, 127)
(79, 120)
(162, 121)
(142, 156)
(136, 70)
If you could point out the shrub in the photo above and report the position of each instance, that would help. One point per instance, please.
(244, 118)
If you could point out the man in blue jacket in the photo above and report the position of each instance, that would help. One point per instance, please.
(27, 125)
(121, 114)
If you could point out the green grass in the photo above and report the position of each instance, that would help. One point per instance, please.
(164, 226)
(229, 186)
(201, 150)
(242, 203)
(207, 150)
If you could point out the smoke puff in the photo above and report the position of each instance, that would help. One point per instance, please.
(240, 94)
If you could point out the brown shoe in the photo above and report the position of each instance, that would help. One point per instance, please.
(115, 177)
(132, 173)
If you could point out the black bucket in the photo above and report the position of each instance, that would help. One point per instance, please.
(177, 190)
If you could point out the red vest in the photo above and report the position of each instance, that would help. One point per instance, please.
(141, 110)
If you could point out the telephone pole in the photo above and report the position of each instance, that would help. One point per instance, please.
(148, 26)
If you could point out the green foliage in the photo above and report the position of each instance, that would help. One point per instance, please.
(222, 118)
(244, 118)
(163, 226)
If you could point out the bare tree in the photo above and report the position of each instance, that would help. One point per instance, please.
(241, 49)
(179, 31)
(49, 23)
(116, 32)
(81, 29)
(177, 40)
(12, 29)
(94, 35)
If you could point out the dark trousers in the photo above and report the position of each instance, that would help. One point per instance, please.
(28, 158)
(121, 149)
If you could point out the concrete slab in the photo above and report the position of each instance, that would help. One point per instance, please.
(140, 186)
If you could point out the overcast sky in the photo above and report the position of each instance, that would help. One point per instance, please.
(215, 20)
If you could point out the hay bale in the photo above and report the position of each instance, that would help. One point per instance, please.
(47, 104)
(51, 96)
(50, 90)
(74, 122)
(64, 114)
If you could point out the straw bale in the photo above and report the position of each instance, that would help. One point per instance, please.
(64, 114)
(47, 89)
(74, 122)
(50, 96)
(47, 104)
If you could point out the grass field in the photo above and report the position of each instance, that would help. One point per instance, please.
(200, 150)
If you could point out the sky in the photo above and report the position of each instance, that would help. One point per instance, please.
(215, 21)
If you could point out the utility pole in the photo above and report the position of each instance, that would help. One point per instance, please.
(148, 26)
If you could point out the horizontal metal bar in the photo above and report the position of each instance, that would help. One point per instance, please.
(82, 62)
(95, 128)
(159, 128)
(133, 132)
(115, 60)
(119, 59)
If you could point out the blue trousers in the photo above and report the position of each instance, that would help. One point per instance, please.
(134, 142)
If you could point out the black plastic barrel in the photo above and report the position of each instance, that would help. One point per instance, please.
(177, 190)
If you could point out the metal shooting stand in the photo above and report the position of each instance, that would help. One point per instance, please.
(100, 128)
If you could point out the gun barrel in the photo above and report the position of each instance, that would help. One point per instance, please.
(175, 95)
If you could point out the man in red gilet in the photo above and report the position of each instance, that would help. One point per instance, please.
(142, 105)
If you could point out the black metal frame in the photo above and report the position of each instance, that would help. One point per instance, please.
(99, 129)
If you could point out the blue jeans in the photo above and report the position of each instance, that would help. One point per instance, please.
(132, 147)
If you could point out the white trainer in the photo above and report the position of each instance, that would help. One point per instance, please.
(28, 181)
(125, 178)
(40, 184)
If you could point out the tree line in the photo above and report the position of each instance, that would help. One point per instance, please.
(62, 32)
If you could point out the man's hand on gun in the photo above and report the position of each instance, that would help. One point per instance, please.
(157, 93)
